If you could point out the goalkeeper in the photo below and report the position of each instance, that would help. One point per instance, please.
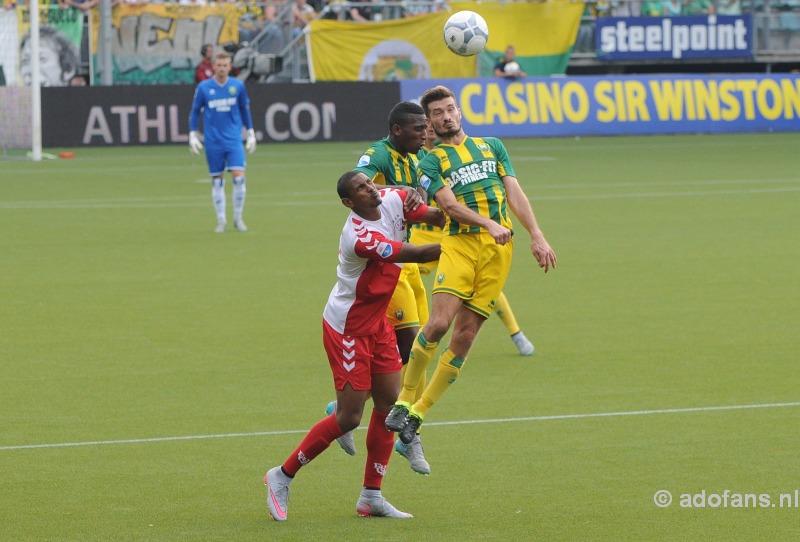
(226, 110)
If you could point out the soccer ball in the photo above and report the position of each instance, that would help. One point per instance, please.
(466, 33)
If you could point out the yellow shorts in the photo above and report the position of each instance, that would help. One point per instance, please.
(474, 268)
(422, 236)
(409, 304)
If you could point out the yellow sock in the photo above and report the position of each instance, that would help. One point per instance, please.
(503, 310)
(418, 360)
(446, 373)
(420, 385)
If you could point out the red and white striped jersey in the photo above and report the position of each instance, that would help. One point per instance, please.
(367, 272)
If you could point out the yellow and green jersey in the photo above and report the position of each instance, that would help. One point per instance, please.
(474, 171)
(384, 165)
(431, 202)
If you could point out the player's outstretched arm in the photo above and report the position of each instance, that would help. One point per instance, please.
(418, 254)
(435, 217)
(462, 214)
(521, 207)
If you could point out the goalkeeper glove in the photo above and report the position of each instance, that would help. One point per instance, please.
(194, 143)
(250, 145)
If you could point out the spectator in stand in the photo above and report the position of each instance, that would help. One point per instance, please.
(79, 81)
(302, 14)
(729, 7)
(672, 8)
(251, 21)
(83, 5)
(507, 67)
(205, 70)
(359, 13)
(699, 7)
(420, 7)
(652, 8)
(270, 40)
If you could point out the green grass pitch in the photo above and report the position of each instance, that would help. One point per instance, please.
(151, 370)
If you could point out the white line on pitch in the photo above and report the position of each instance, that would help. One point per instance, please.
(462, 422)
(268, 199)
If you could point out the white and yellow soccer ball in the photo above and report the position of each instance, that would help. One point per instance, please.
(466, 33)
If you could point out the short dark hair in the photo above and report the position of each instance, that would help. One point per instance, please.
(400, 113)
(439, 92)
(344, 183)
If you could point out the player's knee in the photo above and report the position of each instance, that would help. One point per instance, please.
(435, 329)
(466, 335)
(218, 182)
(348, 420)
(239, 181)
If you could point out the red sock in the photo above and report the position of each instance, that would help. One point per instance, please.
(379, 450)
(316, 441)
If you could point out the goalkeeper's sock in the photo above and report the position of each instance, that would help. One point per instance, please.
(218, 197)
(447, 371)
(239, 191)
(503, 310)
(420, 357)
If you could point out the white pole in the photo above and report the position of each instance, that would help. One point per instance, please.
(36, 88)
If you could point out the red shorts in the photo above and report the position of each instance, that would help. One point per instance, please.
(356, 359)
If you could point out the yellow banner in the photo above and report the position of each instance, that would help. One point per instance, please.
(411, 48)
(414, 48)
(534, 29)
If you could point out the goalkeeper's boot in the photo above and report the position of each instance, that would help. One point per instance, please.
(277, 493)
(346, 441)
(396, 418)
(372, 504)
(409, 430)
(524, 346)
(414, 453)
(239, 225)
(221, 225)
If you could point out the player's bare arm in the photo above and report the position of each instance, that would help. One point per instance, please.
(521, 207)
(462, 214)
(434, 217)
(418, 254)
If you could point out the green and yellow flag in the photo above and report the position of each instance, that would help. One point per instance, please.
(542, 33)
(414, 48)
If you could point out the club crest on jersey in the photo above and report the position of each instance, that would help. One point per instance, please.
(211, 91)
(363, 161)
(384, 250)
(440, 278)
(425, 181)
(400, 223)
(232, 91)
(399, 314)
(483, 147)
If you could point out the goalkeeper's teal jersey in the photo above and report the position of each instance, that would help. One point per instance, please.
(474, 171)
(384, 165)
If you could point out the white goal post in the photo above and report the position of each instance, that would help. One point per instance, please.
(21, 109)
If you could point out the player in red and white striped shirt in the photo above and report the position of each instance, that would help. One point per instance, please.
(359, 341)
